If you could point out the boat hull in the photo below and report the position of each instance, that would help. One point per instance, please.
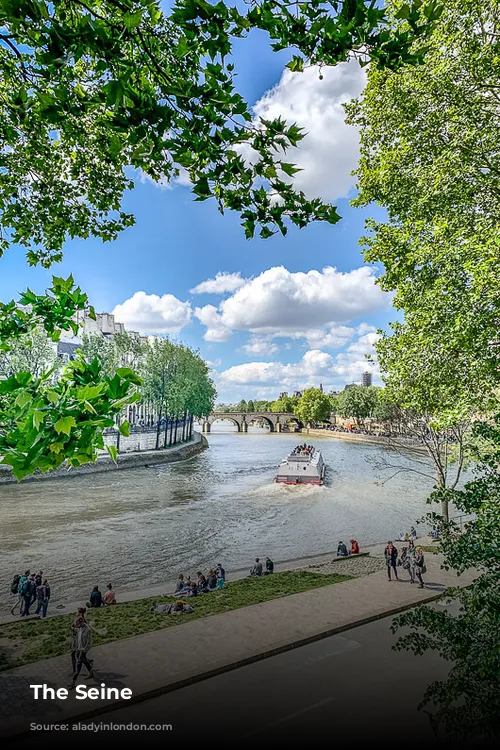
(296, 480)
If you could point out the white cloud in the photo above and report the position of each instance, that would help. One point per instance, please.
(287, 304)
(216, 330)
(329, 152)
(149, 313)
(223, 282)
(258, 345)
(315, 367)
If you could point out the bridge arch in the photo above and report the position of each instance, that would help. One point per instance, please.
(251, 417)
(223, 418)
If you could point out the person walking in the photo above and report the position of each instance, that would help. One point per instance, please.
(420, 566)
(391, 557)
(411, 561)
(269, 566)
(81, 643)
(43, 596)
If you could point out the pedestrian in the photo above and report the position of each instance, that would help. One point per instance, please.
(411, 555)
(391, 556)
(413, 533)
(354, 547)
(81, 644)
(43, 596)
(39, 578)
(420, 566)
(109, 596)
(269, 566)
(221, 573)
(25, 594)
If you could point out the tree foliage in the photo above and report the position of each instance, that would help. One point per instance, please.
(314, 406)
(45, 421)
(357, 402)
(34, 353)
(467, 703)
(91, 88)
(429, 154)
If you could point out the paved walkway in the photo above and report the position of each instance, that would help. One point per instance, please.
(157, 662)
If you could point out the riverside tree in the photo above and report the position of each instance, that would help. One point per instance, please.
(90, 90)
(176, 383)
(358, 402)
(429, 154)
(314, 406)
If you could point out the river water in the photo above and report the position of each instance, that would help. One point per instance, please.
(140, 527)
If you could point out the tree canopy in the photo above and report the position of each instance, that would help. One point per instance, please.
(429, 155)
(92, 88)
(314, 406)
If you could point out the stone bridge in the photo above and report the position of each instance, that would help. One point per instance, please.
(275, 420)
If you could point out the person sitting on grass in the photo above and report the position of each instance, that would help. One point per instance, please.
(269, 566)
(211, 579)
(342, 550)
(202, 583)
(257, 568)
(180, 585)
(109, 596)
(95, 598)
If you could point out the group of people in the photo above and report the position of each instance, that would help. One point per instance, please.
(303, 450)
(407, 535)
(30, 588)
(97, 599)
(412, 559)
(258, 569)
(342, 550)
(214, 580)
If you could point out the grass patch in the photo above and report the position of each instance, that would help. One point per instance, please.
(28, 641)
(431, 550)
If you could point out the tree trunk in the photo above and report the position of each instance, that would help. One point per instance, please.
(118, 435)
(158, 430)
(171, 428)
(166, 433)
(191, 426)
(176, 426)
(184, 427)
(445, 510)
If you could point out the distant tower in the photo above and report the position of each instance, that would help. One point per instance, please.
(321, 387)
(366, 379)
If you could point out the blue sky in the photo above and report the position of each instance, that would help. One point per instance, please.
(274, 320)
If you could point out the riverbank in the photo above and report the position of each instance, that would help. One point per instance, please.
(170, 658)
(141, 459)
(350, 437)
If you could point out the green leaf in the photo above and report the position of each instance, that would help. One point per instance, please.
(64, 424)
(125, 428)
(296, 64)
(38, 417)
(23, 399)
(52, 396)
(112, 452)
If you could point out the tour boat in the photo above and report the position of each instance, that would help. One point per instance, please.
(304, 465)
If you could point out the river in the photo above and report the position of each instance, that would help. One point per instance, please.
(140, 527)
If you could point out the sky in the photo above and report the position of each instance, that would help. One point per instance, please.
(272, 315)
